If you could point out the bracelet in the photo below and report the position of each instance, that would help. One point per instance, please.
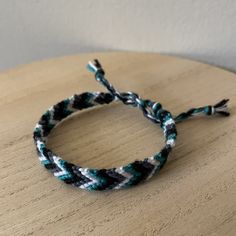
(124, 176)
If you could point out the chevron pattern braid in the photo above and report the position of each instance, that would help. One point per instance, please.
(114, 178)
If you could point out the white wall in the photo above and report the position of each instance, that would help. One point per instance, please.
(204, 30)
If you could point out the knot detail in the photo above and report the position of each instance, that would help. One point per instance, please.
(150, 109)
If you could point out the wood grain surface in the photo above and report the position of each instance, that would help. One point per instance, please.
(194, 194)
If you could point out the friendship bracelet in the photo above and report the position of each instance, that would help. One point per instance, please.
(120, 177)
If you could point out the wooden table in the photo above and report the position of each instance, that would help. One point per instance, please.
(194, 194)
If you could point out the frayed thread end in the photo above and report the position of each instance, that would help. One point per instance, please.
(222, 108)
(95, 67)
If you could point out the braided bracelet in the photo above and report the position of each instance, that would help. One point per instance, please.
(114, 178)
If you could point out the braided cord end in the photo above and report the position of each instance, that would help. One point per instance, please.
(91, 67)
(95, 67)
(219, 108)
(222, 108)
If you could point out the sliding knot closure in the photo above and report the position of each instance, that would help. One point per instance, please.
(117, 177)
